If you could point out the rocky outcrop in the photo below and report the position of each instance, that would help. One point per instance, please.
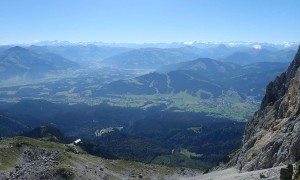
(272, 136)
(35, 164)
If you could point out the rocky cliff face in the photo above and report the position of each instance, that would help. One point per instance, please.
(272, 136)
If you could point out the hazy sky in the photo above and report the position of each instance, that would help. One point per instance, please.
(138, 21)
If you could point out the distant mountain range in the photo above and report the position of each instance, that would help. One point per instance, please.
(18, 62)
(260, 55)
(180, 83)
(82, 54)
(162, 124)
(203, 77)
(201, 44)
(152, 58)
(148, 57)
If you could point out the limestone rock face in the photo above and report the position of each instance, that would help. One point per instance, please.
(272, 136)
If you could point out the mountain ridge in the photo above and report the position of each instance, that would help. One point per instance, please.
(23, 63)
(200, 73)
(272, 134)
(150, 58)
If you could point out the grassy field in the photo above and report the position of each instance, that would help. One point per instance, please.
(8, 156)
(229, 105)
(189, 154)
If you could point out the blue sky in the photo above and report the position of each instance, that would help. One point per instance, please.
(138, 21)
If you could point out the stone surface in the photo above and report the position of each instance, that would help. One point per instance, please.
(263, 175)
(272, 136)
(34, 164)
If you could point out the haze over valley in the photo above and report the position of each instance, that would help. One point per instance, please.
(178, 79)
(152, 90)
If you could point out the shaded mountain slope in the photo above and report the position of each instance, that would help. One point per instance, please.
(47, 133)
(202, 76)
(130, 133)
(73, 120)
(211, 137)
(11, 125)
(23, 63)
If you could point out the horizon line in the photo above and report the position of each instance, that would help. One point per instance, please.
(145, 43)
